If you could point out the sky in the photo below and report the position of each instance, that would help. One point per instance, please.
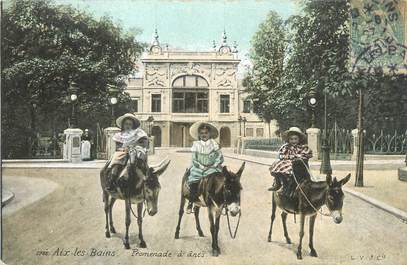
(189, 24)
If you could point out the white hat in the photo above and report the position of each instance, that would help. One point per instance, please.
(194, 129)
(131, 116)
(294, 130)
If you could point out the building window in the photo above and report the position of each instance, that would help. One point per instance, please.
(224, 103)
(156, 103)
(190, 102)
(249, 132)
(190, 81)
(247, 106)
(135, 105)
(259, 132)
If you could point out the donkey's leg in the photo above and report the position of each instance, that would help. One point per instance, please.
(198, 225)
(313, 253)
(111, 203)
(106, 201)
(217, 221)
(140, 225)
(299, 254)
(180, 214)
(128, 221)
(215, 250)
(284, 219)
(273, 216)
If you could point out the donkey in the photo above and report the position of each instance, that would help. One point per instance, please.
(309, 198)
(218, 191)
(139, 185)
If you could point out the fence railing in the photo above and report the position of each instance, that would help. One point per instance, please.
(382, 143)
(271, 144)
(48, 147)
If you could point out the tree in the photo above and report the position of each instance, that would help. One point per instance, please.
(267, 54)
(46, 46)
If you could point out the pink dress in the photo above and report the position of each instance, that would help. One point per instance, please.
(287, 153)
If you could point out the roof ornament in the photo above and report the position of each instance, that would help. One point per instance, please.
(155, 47)
(224, 47)
(214, 45)
(234, 50)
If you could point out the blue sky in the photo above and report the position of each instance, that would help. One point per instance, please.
(189, 24)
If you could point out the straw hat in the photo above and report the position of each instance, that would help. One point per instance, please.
(120, 120)
(296, 131)
(194, 130)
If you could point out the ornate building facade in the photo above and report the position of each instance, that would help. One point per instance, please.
(178, 88)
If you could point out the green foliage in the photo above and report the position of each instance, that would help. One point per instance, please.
(44, 47)
(314, 54)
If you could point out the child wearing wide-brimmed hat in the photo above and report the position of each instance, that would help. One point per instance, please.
(130, 137)
(294, 147)
(207, 157)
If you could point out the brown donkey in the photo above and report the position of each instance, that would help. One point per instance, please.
(309, 198)
(218, 191)
(140, 185)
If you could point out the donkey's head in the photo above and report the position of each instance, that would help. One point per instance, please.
(232, 189)
(335, 195)
(152, 186)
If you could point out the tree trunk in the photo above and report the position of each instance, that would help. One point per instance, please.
(269, 129)
(361, 149)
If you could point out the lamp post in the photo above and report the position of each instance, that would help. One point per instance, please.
(244, 126)
(113, 90)
(150, 121)
(240, 125)
(325, 148)
(312, 102)
(73, 89)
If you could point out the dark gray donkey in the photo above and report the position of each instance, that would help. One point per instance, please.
(139, 185)
(309, 198)
(218, 191)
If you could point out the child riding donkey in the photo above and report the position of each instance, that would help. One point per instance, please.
(207, 157)
(294, 148)
(131, 139)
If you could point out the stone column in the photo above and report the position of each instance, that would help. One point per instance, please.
(110, 144)
(355, 142)
(313, 135)
(72, 145)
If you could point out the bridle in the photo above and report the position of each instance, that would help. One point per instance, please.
(225, 206)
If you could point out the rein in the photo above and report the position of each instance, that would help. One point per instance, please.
(305, 196)
(232, 235)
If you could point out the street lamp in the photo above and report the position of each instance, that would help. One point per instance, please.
(73, 90)
(113, 90)
(240, 125)
(244, 126)
(312, 102)
(325, 148)
(150, 121)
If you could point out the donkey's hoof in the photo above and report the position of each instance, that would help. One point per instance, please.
(143, 244)
(313, 253)
(215, 252)
(126, 245)
(201, 234)
(107, 234)
(176, 235)
(288, 240)
(112, 230)
(269, 238)
(299, 255)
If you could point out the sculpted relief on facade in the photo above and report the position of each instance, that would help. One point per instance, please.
(156, 75)
(190, 69)
(225, 75)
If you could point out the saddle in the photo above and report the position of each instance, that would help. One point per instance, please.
(202, 194)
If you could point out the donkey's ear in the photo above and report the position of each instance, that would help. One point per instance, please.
(239, 173)
(225, 171)
(344, 180)
(329, 179)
